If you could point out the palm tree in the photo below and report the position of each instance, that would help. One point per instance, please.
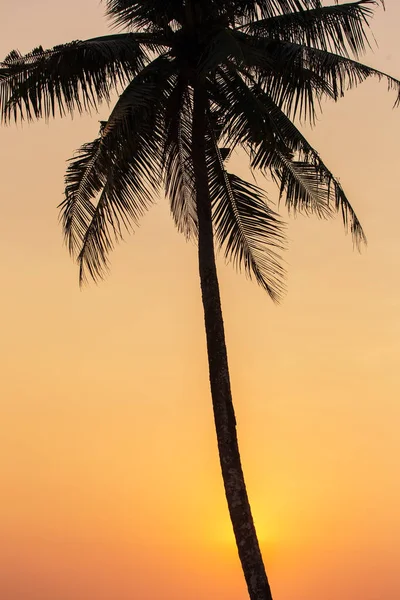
(197, 79)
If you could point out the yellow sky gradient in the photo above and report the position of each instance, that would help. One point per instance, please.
(110, 486)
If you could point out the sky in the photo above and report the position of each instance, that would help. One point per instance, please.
(110, 486)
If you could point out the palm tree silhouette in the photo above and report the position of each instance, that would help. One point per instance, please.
(197, 79)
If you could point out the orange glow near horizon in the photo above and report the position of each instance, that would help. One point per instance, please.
(110, 486)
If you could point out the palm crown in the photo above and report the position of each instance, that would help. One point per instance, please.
(264, 63)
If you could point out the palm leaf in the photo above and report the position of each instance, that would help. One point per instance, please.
(138, 14)
(84, 180)
(341, 73)
(309, 187)
(121, 170)
(276, 145)
(75, 76)
(296, 87)
(341, 28)
(251, 234)
(158, 14)
(254, 9)
(296, 77)
(177, 161)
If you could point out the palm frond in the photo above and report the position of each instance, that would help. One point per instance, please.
(74, 76)
(310, 187)
(124, 199)
(340, 73)
(249, 10)
(340, 28)
(178, 166)
(250, 233)
(113, 180)
(84, 180)
(303, 186)
(155, 14)
(250, 115)
(297, 77)
(275, 144)
(307, 186)
(158, 14)
(296, 87)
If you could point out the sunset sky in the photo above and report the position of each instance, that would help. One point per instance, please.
(110, 486)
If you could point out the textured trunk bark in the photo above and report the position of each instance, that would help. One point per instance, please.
(224, 416)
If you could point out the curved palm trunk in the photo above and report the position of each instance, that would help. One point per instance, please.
(224, 416)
